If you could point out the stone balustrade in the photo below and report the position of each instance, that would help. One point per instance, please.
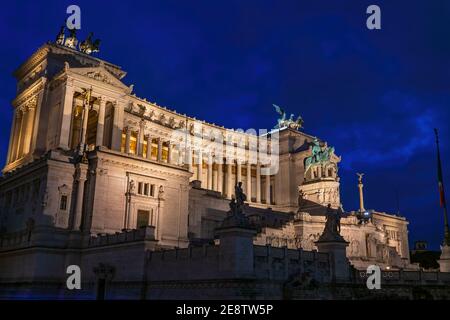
(144, 233)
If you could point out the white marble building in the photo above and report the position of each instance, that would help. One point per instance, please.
(86, 154)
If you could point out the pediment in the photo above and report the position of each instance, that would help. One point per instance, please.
(102, 75)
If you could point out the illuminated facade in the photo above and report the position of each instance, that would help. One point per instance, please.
(88, 159)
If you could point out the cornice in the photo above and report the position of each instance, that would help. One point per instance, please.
(37, 57)
(30, 93)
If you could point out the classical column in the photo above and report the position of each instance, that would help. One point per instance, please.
(215, 185)
(169, 152)
(189, 159)
(238, 171)
(140, 139)
(38, 141)
(80, 176)
(210, 173)
(219, 177)
(12, 137)
(229, 192)
(258, 182)
(180, 155)
(149, 146)
(160, 145)
(100, 122)
(66, 116)
(118, 127)
(19, 120)
(85, 123)
(127, 140)
(249, 182)
(268, 189)
(29, 126)
(21, 133)
(200, 167)
(361, 196)
(138, 142)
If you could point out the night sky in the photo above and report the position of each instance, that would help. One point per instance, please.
(374, 95)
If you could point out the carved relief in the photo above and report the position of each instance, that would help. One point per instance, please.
(100, 76)
(172, 122)
(162, 119)
(308, 242)
(141, 109)
(151, 114)
(129, 107)
(354, 248)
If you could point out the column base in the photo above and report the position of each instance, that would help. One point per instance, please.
(444, 261)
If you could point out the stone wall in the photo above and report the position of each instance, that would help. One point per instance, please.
(33, 265)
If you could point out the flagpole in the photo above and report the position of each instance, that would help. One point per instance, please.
(442, 193)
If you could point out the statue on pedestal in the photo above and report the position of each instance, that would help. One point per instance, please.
(236, 216)
(132, 187)
(161, 193)
(240, 195)
(332, 226)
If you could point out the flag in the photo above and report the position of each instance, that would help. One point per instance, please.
(440, 177)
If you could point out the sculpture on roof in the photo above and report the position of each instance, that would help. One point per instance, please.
(319, 154)
(71, 41)
(287, 123)
(61, 36)
(87, 46)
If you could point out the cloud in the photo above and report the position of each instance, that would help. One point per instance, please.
(403, 128)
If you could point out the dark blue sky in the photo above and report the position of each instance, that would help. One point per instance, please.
(375, 95)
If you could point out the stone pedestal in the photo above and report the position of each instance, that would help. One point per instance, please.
(444, 261)
(236, 247)
(340, 265)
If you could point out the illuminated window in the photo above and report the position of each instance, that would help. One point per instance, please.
(123, 141)
(154, 154)
(133, 142)
(165, 152)
(144, 148)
